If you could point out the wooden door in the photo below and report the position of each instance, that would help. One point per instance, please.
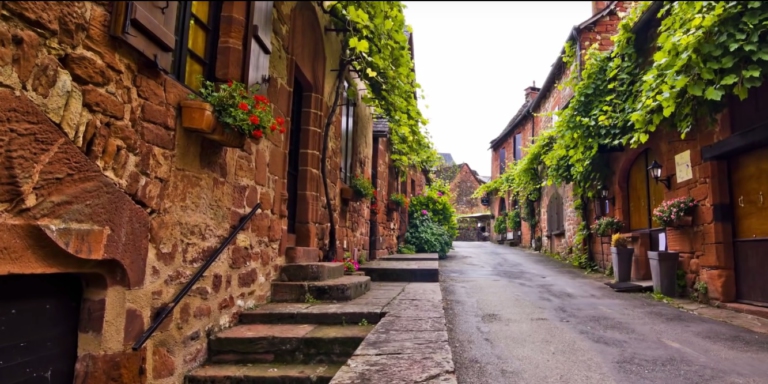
(38, 328)
(294, 149)
(749, 192)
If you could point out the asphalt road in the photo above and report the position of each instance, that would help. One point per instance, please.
(519, 317)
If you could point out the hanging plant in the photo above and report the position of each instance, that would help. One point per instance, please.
(362, 187)
(674, 213)
(606, 226)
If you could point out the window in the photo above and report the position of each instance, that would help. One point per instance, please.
(502, 161)
(179, 37)
(518, 146)
(644, 193)
(347, 134)
(502, 206)
(413, 187)
(260, 43)
(196, 48)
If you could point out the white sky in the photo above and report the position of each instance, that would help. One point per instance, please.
(473, 60)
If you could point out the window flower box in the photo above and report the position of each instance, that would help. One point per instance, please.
(197, 116)
(229, 113)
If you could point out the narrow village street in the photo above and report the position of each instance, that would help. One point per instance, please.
(518, 317)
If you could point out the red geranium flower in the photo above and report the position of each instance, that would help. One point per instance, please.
(258, 134)
(260, 99)
(280, 120)
(229, 83)
(282, 129)
(243, 106)
(273, 126)
(254, 119)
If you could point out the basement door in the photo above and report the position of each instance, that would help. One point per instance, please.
(38, 328)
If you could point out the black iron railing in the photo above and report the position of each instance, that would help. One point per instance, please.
(163, 313)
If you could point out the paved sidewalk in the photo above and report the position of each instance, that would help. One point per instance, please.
(408, 345)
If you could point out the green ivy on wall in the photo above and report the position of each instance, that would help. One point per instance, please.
(704, 51)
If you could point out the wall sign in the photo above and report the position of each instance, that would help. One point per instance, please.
(683, 166)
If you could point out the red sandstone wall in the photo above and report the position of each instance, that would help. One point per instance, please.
(117, 118)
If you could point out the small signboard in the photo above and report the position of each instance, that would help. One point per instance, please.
(683, 169)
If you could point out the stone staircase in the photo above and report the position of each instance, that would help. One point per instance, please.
(270, 347)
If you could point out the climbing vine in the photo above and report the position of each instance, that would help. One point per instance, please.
(376, 45)
(703, 51)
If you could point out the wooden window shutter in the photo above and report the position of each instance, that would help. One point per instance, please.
(149, 26)
(260, 43)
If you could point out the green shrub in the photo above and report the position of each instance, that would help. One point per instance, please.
(500, 225)
(428, 237)
(406, 249)
(514, 222)
(438, 207)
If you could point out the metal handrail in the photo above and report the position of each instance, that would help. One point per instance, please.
(170, 307)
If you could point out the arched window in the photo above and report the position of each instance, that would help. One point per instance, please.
(502, 160)
(644, 193)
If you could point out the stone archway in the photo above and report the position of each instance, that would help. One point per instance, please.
(307, 66)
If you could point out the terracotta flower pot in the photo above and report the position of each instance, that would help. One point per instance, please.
(197, 116)
(226, 136)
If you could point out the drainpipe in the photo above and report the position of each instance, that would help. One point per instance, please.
(575, 34)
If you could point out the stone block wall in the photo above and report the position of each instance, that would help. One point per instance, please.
(462, 187)
(103, 181)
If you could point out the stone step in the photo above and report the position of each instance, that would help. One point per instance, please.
(301, 313)
(413, 257)
(404, 271)
(294, 255)
(311, 271)
(344, 288)
(263, 374)
(286, 343)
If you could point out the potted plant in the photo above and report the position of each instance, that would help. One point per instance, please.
(362, 187)
(500, 227)
(621, 258)
(664, 271)
(229, 114)
(607, 226)
(514, 221)
(397, 201)
(675, 213)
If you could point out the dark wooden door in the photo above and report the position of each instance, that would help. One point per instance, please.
(38, 328)
(749, 192)
(294, 149)
(373, 231)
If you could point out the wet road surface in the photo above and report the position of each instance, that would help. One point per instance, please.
(519, 317)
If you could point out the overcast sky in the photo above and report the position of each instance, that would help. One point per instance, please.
(475, 59)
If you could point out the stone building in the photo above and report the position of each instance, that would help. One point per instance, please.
(723, 168)
(558, 220)
(108, 207)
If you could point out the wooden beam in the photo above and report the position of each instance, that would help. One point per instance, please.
(741, 142)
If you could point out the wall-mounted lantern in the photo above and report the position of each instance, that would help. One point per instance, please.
(655, 170)
(604, 195)
(485, 200)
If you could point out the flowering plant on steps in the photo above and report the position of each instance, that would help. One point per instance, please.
(350, 265)
(241, 109)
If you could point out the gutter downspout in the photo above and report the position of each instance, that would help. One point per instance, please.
(578, 49)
